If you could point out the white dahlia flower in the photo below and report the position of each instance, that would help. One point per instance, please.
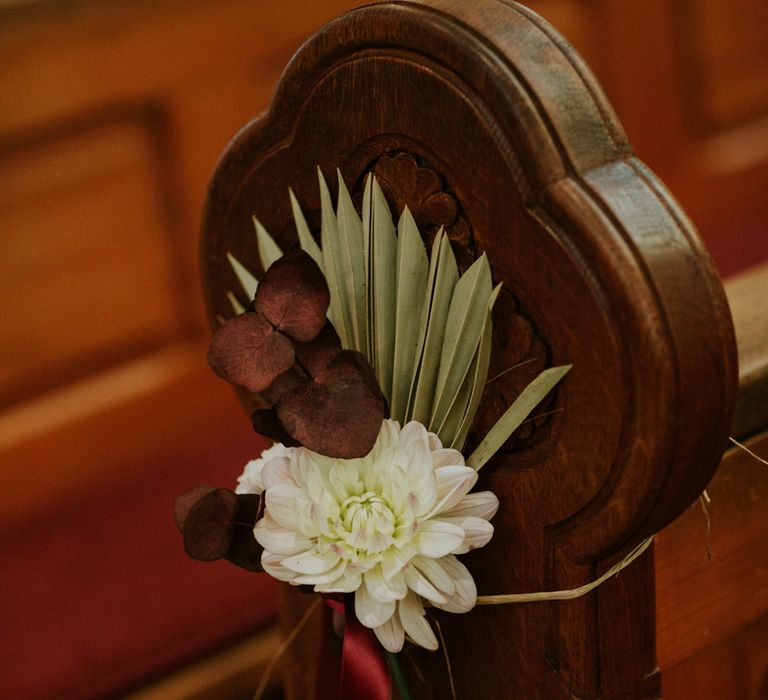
(250, 480)
(386, 527)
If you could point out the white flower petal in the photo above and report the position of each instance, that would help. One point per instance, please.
(453, 483)
(308, 469)
(311, 562)
(465, 596)
(419, 584)
(344, 479)
(477, 531)
(421, 480)
(279, 540)
(446, 457)
(271, 564)
(414, 432)
(251, 480)
(394, 560)
(362, 563)
(381, 588)
(277, 471)
(329, 576)
(348, 582)
(411, 612)
(447, 478)
(482, 504)
(437, 538)
(370, 611)
(317, 521)
(397, 490)
(287, 505)
(433, 570)
(389, 437)
(391, 634)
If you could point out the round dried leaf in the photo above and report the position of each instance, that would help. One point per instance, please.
(207, 528)
(339, 413)
(316, 355)
(248, 351)
(293, 296)
(185, 501)
(265, 422)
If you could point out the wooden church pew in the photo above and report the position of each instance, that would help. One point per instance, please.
(602, 270)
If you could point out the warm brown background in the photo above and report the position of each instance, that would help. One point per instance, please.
(112, 115)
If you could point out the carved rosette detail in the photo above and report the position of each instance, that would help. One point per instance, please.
(409, 180)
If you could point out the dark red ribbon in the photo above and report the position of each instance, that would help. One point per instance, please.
(361, 673)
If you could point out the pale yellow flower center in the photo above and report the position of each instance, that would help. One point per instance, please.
(366, 523)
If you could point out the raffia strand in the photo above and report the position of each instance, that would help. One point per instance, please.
(568, 594)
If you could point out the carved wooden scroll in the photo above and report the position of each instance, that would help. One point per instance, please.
(482, 119)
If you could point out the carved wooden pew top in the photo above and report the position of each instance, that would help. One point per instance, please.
(482, 119)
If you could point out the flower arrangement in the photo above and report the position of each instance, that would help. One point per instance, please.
(386, 527)
(371, 357)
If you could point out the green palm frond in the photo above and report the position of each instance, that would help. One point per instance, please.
(269, 251)
(411, 293)
(246, 278)
(381, 277)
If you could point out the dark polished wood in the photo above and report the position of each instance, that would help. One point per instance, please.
(599, 262)
(747, 294)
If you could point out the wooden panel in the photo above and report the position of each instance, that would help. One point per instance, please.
(98, 428)
(135, 50)
(701, 603)
(112, 118)
(747, 295)
(86, 256)
(735, 668)
(724, 49)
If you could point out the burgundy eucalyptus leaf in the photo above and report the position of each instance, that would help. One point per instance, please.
(284, 383)
(265, 422)
(315, 355)
(244, 551)
(250, 507)
(183, 503)
(339, 413)
(218, 524)
(248, 351)
(293, 296)
(207, 529)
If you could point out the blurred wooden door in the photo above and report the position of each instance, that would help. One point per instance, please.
(112, 116)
